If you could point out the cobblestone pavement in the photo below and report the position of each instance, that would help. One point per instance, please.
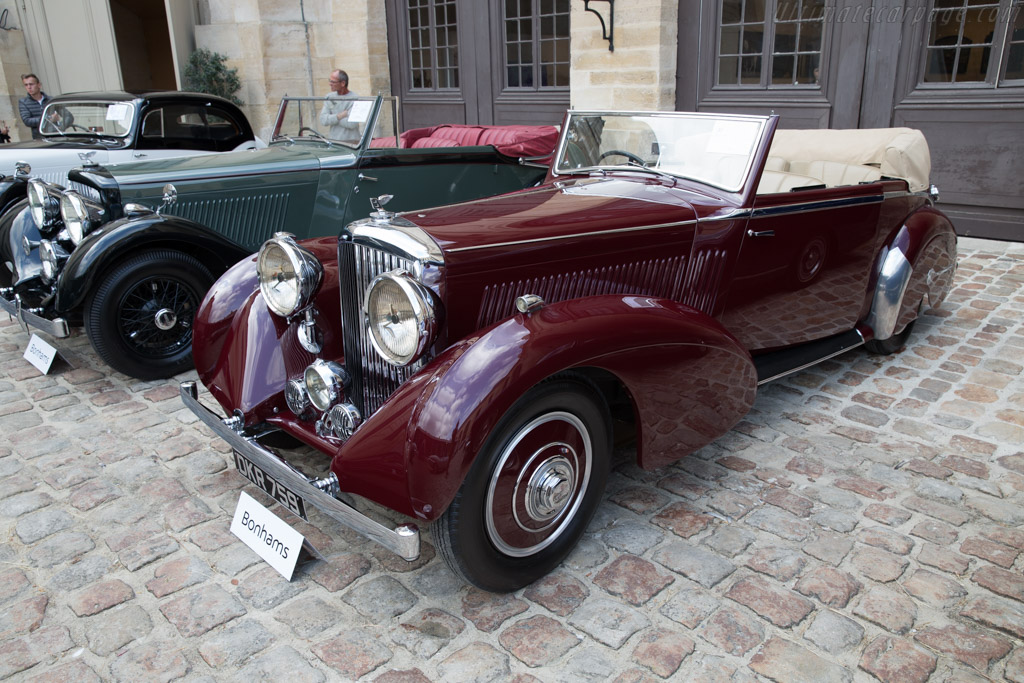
(865, 520)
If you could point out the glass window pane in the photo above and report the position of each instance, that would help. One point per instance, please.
(940, 65)
(807, 69)
(732, 11)
(750, 71)
(730, 41)
(810, 37)
(752, 42)
(753, 11)
(727, 70)
(782, 69)
(813, 10)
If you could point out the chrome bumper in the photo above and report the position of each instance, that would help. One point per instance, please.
(404, 540)
(57, 328)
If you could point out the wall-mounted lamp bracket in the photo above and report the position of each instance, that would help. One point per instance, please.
(607, 30)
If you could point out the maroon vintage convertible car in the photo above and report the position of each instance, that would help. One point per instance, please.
(470, 365)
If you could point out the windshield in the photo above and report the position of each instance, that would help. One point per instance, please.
(108, 119)
(716, 149)
(338, 120)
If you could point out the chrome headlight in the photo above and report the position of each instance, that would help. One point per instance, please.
(289, 275)
(325, 383)
(80, 215)
(399, 315)
(42, 203)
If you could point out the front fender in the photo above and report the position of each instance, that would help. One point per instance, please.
(12, 189)
(690, 381)
(15, 226)
(243, 353)
(103, 247)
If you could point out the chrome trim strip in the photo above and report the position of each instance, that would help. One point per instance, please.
(816, 206)
(814, 362)
(404, 540)
(182, 176)
(56, 328)
(578, 234)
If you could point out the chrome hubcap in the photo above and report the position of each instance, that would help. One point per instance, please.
(549, 488)
(165, 319)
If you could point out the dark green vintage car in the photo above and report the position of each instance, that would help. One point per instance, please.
(130, 250)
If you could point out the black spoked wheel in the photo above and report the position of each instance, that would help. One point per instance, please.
(139, 319)
(532, 489)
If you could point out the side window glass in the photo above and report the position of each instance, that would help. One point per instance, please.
(190, 126)
(153, 125)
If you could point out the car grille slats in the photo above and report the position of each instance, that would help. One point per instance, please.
(660, 277)
(246, 220)
(373, 379)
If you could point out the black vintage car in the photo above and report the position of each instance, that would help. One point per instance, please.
(116, 127)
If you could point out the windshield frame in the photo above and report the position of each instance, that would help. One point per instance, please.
(380, 104)
(559, 169)
(58, 135)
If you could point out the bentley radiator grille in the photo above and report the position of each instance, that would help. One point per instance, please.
(373, 379)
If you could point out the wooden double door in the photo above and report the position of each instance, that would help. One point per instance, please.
(479, 61)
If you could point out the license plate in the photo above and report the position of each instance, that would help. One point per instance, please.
(275, 489)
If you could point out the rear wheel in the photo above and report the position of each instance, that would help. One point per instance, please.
(139, 318)
(893, 344)
(532, 490)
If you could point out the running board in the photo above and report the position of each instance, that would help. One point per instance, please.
(781, 363)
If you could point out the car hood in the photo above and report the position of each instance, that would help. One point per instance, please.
(561, 209)
(274, 159)
(51, 162)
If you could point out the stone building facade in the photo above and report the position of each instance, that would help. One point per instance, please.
(952, 68)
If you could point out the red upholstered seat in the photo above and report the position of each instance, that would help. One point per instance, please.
(515, 141)
(383, 142)
(435, 142)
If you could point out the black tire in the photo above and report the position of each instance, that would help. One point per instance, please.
(891, 345)
(139, 318)
(504, 530)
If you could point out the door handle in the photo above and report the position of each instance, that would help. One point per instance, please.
(760, 233)
(138, 155)
(366, 177)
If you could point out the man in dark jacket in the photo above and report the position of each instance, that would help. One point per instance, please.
(31, 106)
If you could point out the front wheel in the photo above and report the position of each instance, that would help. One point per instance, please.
(139, 318)
(532, 489)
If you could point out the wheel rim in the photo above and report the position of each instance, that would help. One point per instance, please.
(538, 484)
(155, 317)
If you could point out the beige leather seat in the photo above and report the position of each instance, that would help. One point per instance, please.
(836, 173)
(777, 181)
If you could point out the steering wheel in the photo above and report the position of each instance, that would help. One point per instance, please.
(75, 126)
(623, 153)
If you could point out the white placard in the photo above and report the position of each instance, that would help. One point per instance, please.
(359, 111)
(117, 112)
(263, 531)
(40, 354)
